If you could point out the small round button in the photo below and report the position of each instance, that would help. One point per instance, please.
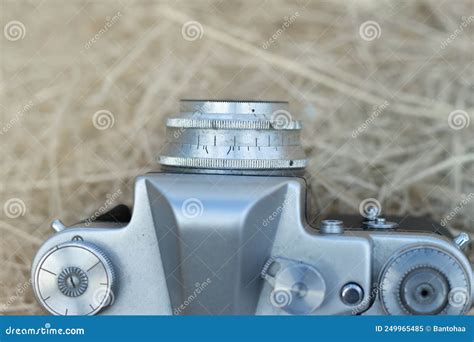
(332, 227)
(352, 294)
(72, 281)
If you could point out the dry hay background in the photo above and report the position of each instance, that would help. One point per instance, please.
(375, 110)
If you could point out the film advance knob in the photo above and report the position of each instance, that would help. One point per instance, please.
(74, 278)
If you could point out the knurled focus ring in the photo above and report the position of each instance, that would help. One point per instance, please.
(228, 135)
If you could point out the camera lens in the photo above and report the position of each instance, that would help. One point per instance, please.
(233, 135)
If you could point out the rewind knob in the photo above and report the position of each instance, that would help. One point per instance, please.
(74, 278)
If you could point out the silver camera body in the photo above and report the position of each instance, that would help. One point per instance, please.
(222, 229)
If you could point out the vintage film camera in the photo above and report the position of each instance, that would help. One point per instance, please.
(222, 229)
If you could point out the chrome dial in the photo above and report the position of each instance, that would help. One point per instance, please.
(74, 278)
(298, 288)
(425, 281)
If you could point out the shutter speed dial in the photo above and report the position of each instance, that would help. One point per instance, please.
(425, 280)
(75, 278)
